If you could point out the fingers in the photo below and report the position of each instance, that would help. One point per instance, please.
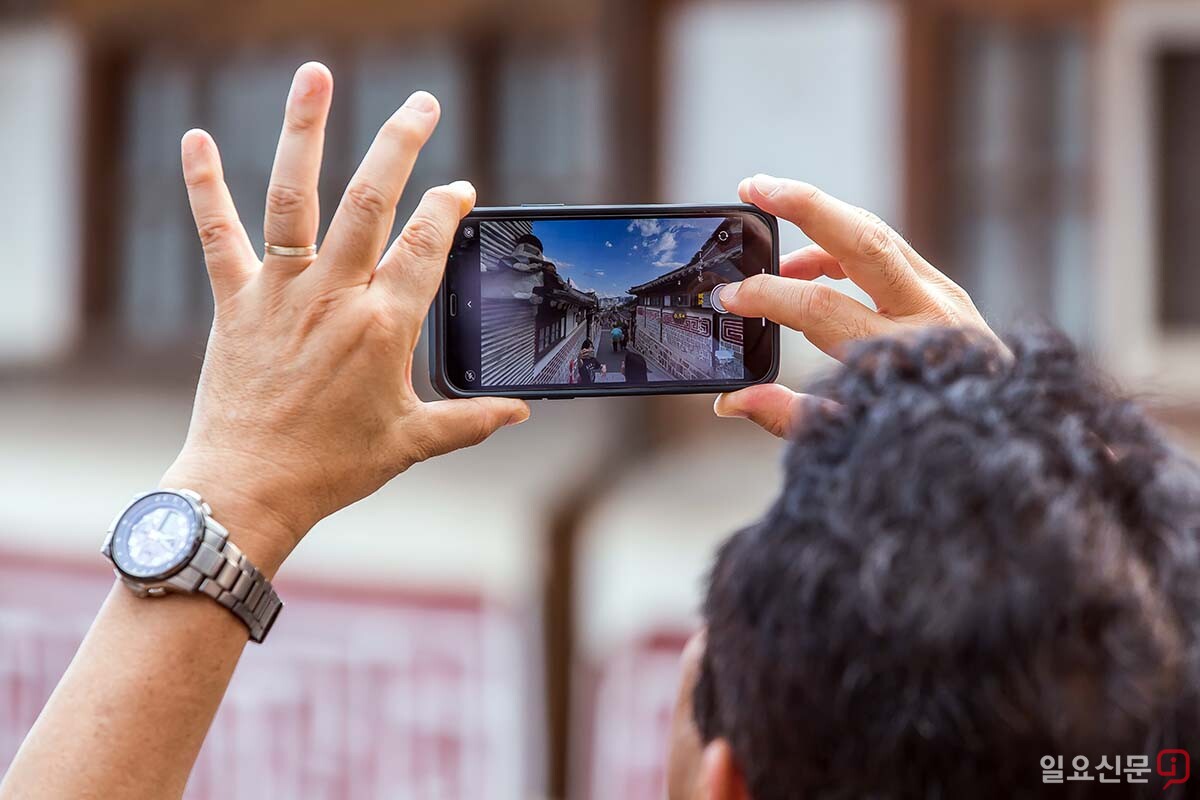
(227, 250)
(450, 425)
(774, 408)
(864, 245)
(413, 266)
(827, 317)
(364, 218)
(810, 263)
(293, 210)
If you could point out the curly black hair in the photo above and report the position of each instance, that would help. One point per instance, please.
(979, 558)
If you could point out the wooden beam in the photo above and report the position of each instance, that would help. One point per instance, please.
(928, 36)
(1017, 11)
(633, 29)
(101, 199)
(206, 21)
(927, 85)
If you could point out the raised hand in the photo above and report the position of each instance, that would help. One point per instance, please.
(305, 402)
(850, 244)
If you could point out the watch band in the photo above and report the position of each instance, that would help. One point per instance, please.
(217, 567)
(231, 580)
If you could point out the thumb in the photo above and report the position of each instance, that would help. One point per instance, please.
(454, 424)
(774, 408)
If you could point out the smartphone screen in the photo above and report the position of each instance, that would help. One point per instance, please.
(565, 302)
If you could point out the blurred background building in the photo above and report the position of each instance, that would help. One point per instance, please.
(518, 609)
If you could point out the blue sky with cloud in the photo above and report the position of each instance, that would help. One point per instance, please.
(610, 255)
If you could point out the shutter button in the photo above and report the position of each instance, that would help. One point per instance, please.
(715, 298)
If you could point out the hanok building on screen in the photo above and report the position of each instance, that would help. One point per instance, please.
(676, 328)
(533, 321)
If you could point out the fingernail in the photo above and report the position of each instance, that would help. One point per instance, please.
(766, 184)
(421, 101)
(306, 83)
(729, 291)
(518, 418)
(463, 186)
(721, 408)
(193, 141)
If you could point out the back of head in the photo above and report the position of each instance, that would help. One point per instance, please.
(976, 561)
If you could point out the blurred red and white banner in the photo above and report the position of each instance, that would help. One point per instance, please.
(357, 694)
(632, 698)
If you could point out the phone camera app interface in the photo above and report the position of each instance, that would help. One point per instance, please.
(608, 301)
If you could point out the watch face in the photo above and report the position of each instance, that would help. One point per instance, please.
(156, 536)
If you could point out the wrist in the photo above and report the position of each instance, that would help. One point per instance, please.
(257, 521)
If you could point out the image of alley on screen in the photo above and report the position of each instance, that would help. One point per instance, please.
(581, 302)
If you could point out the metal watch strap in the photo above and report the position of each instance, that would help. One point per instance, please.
(229, 578)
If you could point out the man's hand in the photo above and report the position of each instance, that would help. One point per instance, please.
(852, 244)
(305, 405)
(305, 402)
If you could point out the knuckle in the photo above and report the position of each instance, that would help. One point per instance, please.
(803, 202)
(405, 130)
(777, 426)
(366, 200)
(959, 295)
(284, 200)
(214, 232)
(300, 123)
(815, 302)
(423, 236)
(442, 200)
(872, 237)
(858, 330)
(756, 287)
(420, 443)
(953, 313)
(810, 196)
(198, 177)
(319, 309)
(481, 427)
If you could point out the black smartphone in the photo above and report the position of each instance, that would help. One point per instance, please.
(577, 301)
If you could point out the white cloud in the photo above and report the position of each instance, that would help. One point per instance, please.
(660, 240)
(599, 273)
(608, 243)
(646, 227)
(666, 242)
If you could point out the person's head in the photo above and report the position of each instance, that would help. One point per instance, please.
(528, 247)
(634, 367)
(587, 345)
(976, 561)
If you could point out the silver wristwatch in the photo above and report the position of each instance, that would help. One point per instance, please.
(167, 541)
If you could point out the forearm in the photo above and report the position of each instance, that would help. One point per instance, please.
(130, 714)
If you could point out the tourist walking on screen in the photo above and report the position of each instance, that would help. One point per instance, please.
(588, 365)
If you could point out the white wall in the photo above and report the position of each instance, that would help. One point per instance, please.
(40, 230)
(810, 90)
(803, 89)
(1131, 338)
